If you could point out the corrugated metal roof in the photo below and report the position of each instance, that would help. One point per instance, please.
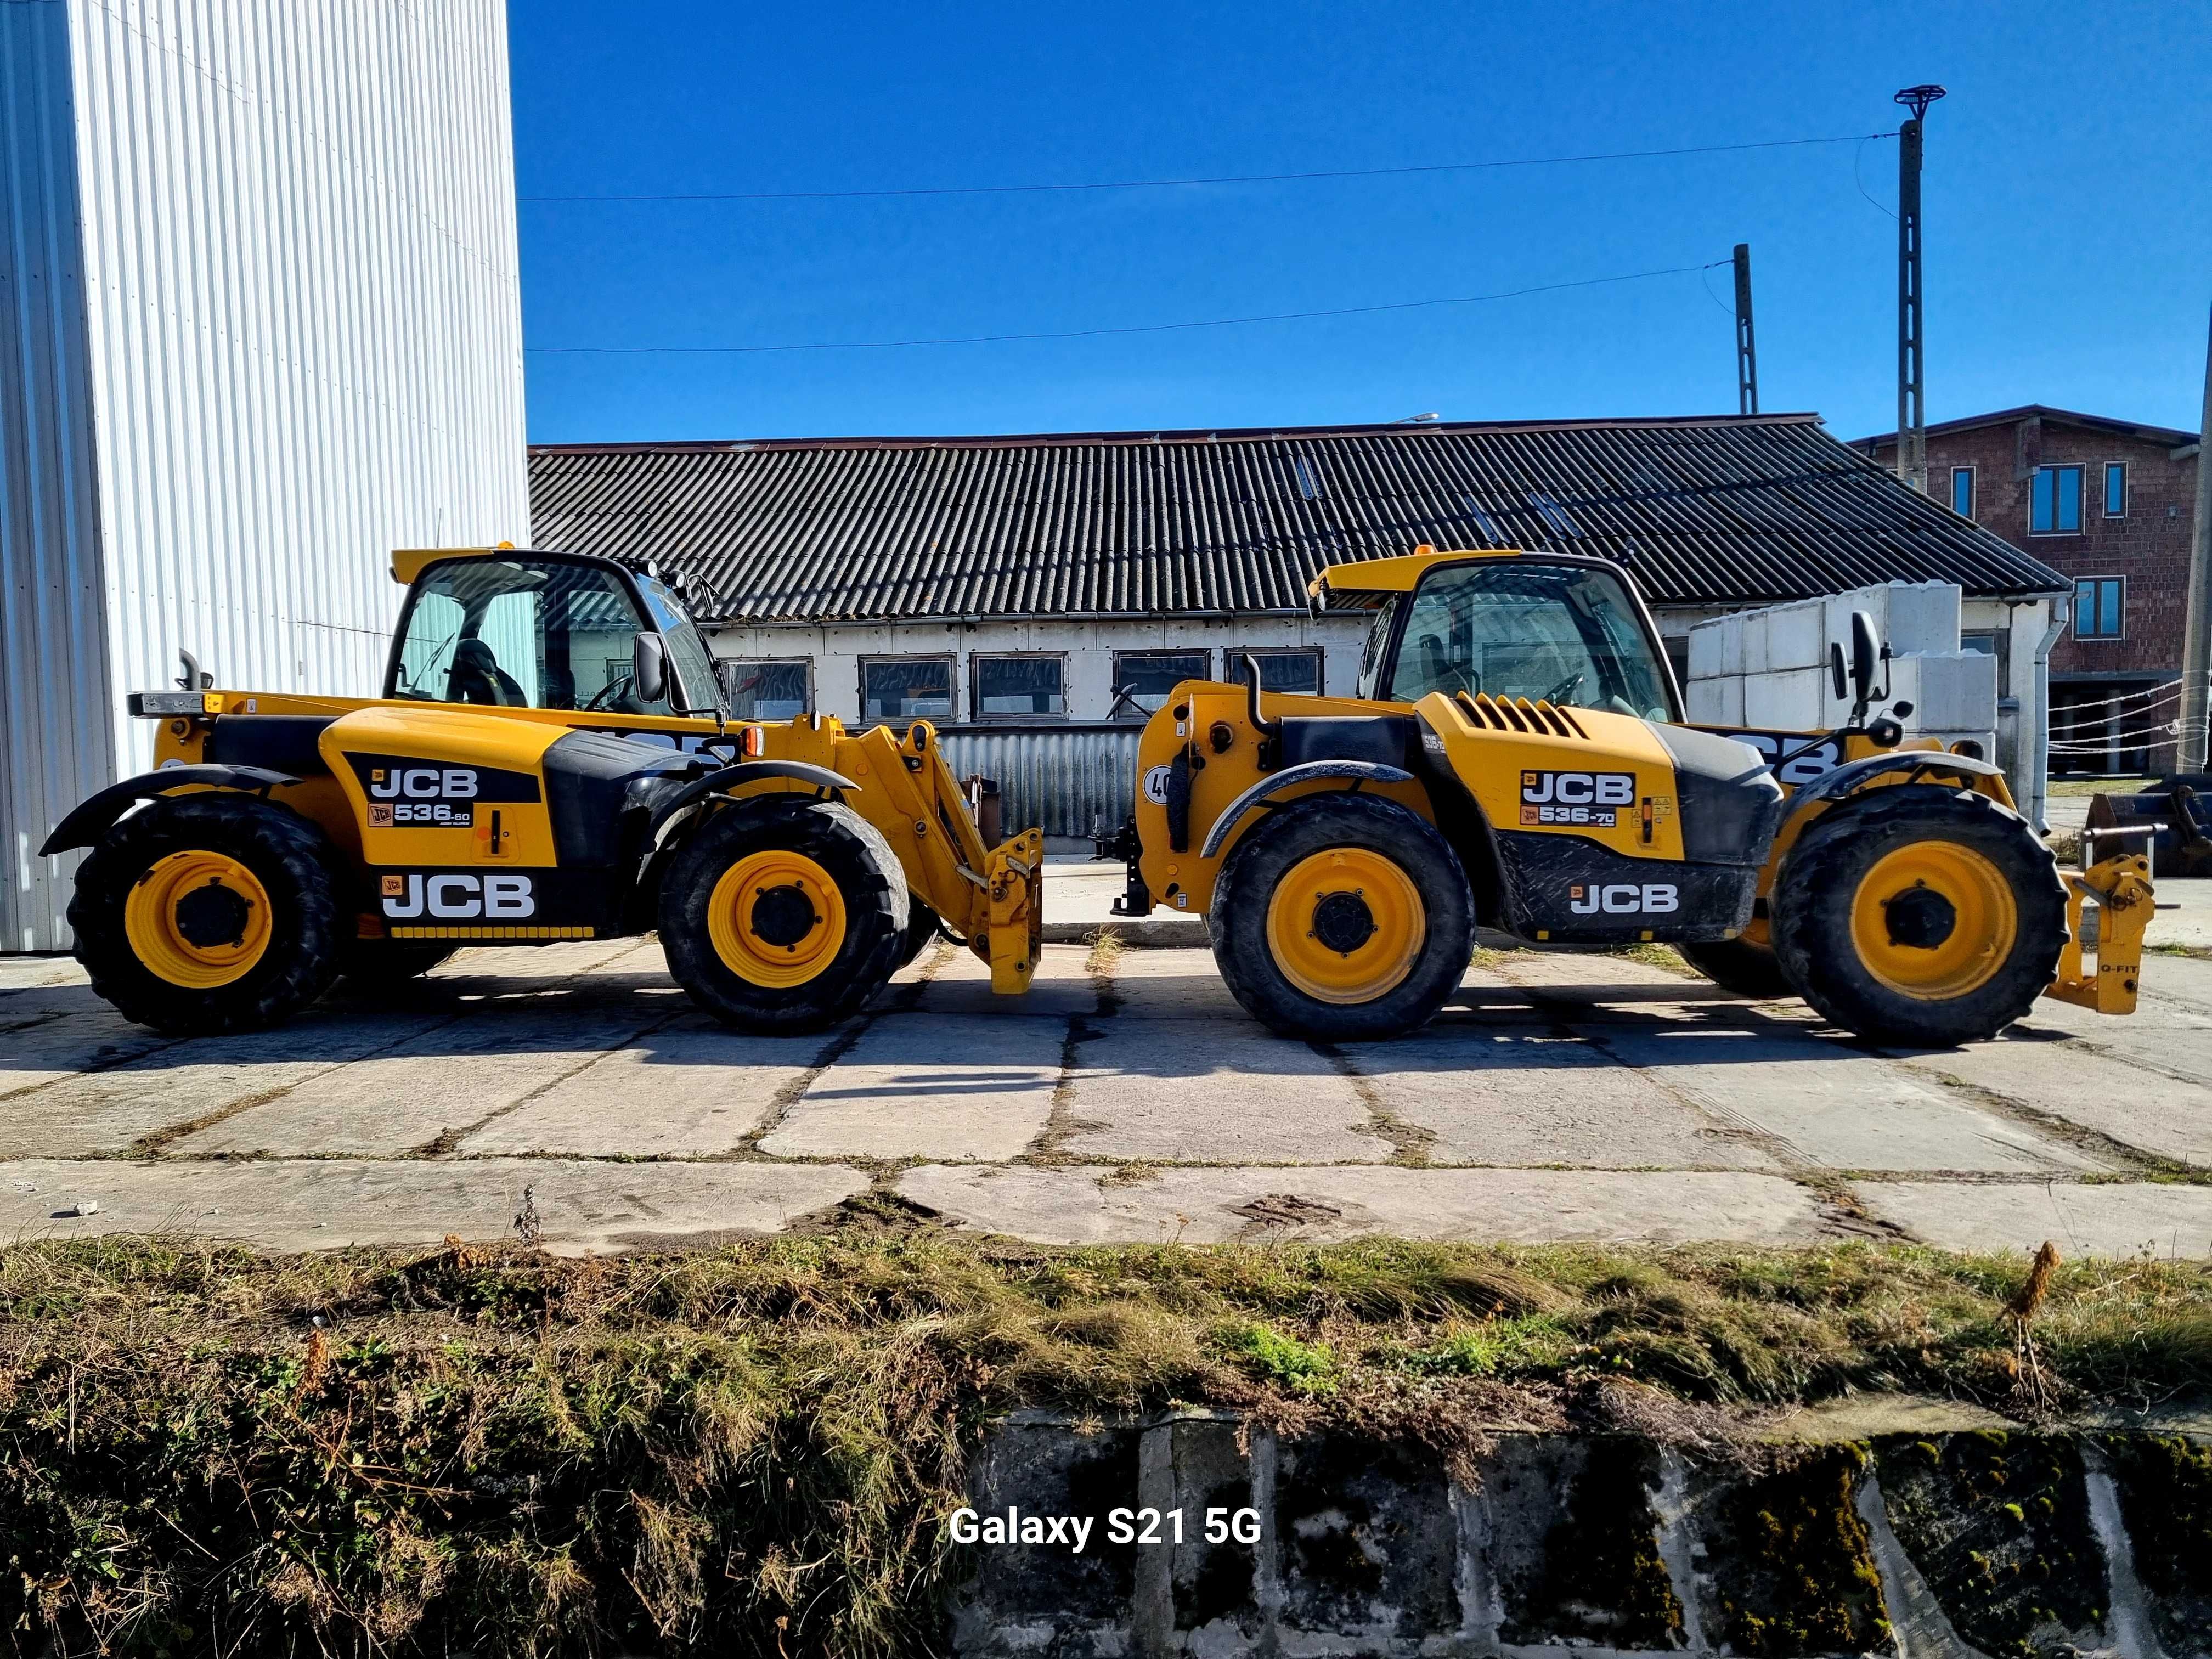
(1719, 510)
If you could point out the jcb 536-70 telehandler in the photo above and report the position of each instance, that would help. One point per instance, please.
(552, 758)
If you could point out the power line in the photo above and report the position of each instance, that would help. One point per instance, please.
(1136, 328)
(1860, 138)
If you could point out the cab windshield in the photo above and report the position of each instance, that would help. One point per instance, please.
(537, 633)
(1559, 634)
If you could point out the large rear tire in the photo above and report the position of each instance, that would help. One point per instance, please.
(1919, 915)
(1342, 918)
(1738, 965)
(208, 913)
(783, 914)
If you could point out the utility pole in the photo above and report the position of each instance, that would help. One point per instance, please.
(2189, 751)
(1911, 406)
(1747, 350)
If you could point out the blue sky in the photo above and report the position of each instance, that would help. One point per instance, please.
(2069, 206)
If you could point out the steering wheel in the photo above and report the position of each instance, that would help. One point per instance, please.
(604, 697)
(1565, 688)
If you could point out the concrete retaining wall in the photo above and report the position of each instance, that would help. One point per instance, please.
(1944, 1546)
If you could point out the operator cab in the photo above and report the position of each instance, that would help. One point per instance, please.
(1552, 628)
(503, 629)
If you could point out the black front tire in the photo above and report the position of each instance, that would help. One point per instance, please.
(920, 928)
(1238, 921)
(848, 849)
(290, 858)
(1818, 885)
(1738, 965)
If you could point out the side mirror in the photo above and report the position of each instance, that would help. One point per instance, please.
(1866, 653)
(649, 668)
(1836, 680)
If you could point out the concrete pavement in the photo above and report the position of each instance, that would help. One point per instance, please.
(1561, 1097)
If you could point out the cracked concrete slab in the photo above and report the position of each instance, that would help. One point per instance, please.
(2115, 1218)
(1492, 1095)
(1095, 1206)
(1191, 1092)
(1829, 1105)
(438, 1083)
(961, 985)
(692, 1089)
(323, 1204)
(2146, 1110)
(917, 1085)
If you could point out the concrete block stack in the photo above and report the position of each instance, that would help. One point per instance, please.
(1767, 670)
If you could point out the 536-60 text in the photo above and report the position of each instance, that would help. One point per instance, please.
(1123, 1526)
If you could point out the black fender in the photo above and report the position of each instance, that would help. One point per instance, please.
(1361, 771)
(93, 816)
(1843, 780)
(744, 772)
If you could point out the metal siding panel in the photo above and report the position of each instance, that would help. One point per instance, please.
(301, 332)
(1063, 780)
(54, 686)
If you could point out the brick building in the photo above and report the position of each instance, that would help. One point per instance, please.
(2111, 504)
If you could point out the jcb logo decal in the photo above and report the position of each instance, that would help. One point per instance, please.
(422, 783)
(458, 896)
(1578, 788)
(1651, 899)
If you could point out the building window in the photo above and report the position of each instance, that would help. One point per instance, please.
(2116, 490)
(1962, 491)
(906, 688)
(1283, 671)
(1016, 686)
(771, 691)
(2100, 607)
(2056, 509)
(1148, 676)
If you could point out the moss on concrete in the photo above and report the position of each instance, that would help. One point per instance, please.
(2165, 1484)
(1999, 1524)
(1603, 1580)
(1794, 1570)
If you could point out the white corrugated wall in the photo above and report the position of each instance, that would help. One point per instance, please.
(55, 724)
(302, 324)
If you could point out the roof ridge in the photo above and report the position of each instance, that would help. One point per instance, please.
(1165, 435)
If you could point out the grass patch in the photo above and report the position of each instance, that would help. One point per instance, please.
(754, 1447)
(1652, 954)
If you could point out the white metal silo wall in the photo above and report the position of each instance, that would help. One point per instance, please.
(54, 687)
(305, 322)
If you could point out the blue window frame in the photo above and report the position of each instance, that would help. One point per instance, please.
(1962, 491)
(2055, 509)
(2116, 490)
(2100, 607)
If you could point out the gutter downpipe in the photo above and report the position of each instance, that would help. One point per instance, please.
(2039, 771)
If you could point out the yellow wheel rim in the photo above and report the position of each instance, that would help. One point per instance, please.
(199, 920)
(1346, 924)
(776, 919)
(1933, 919)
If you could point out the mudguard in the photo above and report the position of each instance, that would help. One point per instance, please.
(93, 817)
(1840, 781)
(1365, 771)
(731, 777)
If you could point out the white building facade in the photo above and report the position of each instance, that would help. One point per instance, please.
(263, 325)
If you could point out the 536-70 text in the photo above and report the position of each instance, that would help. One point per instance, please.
(1123, 1526)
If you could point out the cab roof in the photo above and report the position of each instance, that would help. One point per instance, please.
(1399, 574)
(409, 562)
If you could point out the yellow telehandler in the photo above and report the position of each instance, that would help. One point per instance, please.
(552, 758)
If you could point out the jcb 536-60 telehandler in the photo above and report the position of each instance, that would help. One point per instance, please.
(552, 758)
